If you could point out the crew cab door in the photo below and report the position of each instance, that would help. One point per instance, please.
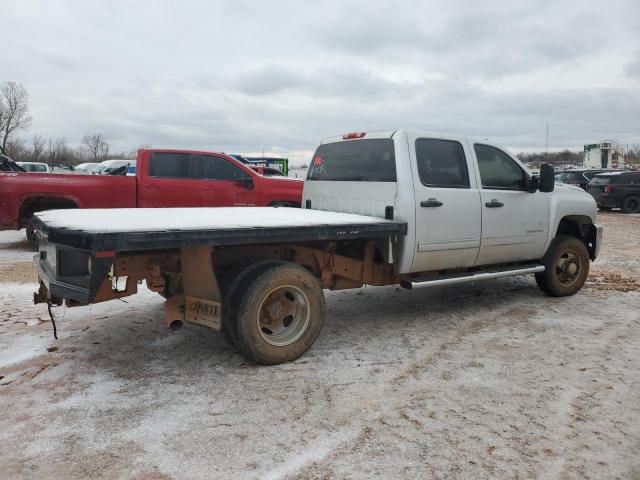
(515, 222)
(447, 207)
(167, 181)
(224, 184)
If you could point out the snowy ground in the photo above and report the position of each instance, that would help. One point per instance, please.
(492, 380)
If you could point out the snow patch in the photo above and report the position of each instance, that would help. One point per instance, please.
(23, 347)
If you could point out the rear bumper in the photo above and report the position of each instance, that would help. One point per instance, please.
(608, 202)
(604, 200)
(57, 290)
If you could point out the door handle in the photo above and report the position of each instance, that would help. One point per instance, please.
(151, 186)
(208, 188)
(432, 202)
(494, 204)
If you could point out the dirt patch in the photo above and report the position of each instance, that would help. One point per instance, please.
(601, 280)
(19, 272)
(22, 245)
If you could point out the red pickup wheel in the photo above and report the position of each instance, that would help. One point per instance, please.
(279, 315)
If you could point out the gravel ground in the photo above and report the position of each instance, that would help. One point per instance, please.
(490, 380)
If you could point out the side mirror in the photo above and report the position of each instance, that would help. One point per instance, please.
(245, 183)
(547, 181)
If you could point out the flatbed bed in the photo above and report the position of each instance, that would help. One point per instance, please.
(139, 229)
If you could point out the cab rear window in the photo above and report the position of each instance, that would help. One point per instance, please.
(602, 179)
(371, 160)
(572, 177)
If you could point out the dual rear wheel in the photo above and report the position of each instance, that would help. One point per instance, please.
(273, 311)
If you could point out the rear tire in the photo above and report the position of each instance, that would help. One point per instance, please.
(631, 204)
(566, 267)
(232, 286)
(280, 314)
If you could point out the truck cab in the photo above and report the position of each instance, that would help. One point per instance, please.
(467, 202)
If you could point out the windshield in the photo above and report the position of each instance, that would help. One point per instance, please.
(370, 160)
(34, 167)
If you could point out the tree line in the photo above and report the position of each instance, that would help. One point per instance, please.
(15, 117)
(567, 157)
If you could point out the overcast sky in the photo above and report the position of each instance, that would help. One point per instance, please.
(246, 76)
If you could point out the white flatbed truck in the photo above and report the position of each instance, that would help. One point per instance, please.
(379, 208)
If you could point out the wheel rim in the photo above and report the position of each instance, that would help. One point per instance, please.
(633, 205)
(568, 268)
(284, 315)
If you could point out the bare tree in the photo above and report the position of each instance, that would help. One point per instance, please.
(96, 146)
(17, 150)
(57, 150)
(14, 110)
(37, 148)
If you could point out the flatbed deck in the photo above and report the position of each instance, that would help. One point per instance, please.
(140, 229)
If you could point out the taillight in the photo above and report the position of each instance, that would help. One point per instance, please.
(608, 189)
(352, 135)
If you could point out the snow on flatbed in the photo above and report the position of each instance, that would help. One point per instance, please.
(102, 220)
(131, 229)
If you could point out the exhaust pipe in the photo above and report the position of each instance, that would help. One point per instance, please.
(174, 312)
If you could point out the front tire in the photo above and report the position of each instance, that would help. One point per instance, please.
(279, 315)
(631, 204)
(566, 267)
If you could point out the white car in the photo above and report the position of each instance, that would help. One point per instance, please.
(89, 168)
(110, 165)
(35, 167)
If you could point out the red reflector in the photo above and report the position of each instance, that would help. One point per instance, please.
(352, 135)
(106, 254)
(608, 189)
(317, 161)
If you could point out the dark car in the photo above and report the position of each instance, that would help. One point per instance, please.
(616, 190)
(580, 177)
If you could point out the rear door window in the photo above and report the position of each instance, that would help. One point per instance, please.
(371, 160)
(630, 179)
(170, 165)
(441, 163)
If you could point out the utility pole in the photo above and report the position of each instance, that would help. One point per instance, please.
(546, 148)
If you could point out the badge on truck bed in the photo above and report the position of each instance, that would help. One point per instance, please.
(203, 312)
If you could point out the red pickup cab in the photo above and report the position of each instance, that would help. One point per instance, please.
(164, 178)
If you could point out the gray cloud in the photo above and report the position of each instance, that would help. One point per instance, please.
(245, 76)
(633, 68)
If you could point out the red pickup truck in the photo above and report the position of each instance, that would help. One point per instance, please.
(164, 178)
